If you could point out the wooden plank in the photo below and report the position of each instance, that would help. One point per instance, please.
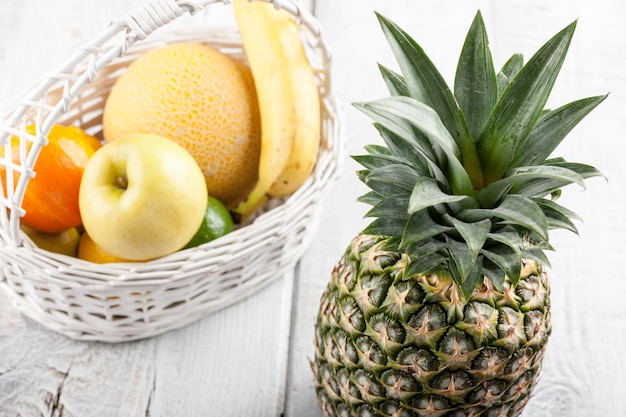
(233, 363)
(583, 366)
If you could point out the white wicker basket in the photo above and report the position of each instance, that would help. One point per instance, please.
(120, 302)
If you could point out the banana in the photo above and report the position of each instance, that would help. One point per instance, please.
(306, 140)
(255, 200)
(288, 101)
(268, 63)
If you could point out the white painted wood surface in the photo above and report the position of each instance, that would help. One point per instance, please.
(252, 358)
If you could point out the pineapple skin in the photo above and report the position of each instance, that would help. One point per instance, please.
(388, 344)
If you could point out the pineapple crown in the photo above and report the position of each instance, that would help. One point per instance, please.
(465, 183)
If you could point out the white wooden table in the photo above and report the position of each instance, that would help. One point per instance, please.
(252, 359)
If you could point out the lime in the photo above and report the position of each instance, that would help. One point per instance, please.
(216, 222)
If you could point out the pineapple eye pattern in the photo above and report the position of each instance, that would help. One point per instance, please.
(367, 355)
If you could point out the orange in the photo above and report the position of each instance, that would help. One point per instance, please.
(89, 251)
(51, 197)
(202, 99)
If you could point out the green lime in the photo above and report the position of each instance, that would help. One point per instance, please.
(216, 222)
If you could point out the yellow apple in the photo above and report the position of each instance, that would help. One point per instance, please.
(142, 196)
(65, 242)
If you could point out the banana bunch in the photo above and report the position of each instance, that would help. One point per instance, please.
(289, 102)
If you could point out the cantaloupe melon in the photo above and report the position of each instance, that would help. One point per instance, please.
(201, 98)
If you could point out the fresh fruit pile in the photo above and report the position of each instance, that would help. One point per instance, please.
(193, 143)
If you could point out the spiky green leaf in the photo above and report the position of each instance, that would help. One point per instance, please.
(490, 195)
(508, 236)
(551, 128)
(403, 131)
(421, 249)
(420, 228)
(531, 241)
(409, 153)
(474, 234)
(373, 161)
(493, 273)
(543, 187)
(390, 207)
(587, 171)
(394, 81)
(397, 175)
(426, 264)
(558, 216)
(375, 149)
(520, 105)
(538, 256)
(423, 80)
(362, 174)
(385, 227)
(464, 262)
(426, 193)
(530, 173)
(473, 278)
(425, 84)
(506, 259)
(399, 114)
(515, 210)
(523, 211)
(509, 72)
(475, 86)
(371, 198)
(460, 254)
(384, 188)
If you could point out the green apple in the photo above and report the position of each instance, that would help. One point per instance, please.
(142, 196)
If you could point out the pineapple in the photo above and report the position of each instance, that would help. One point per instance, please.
(441, 307)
